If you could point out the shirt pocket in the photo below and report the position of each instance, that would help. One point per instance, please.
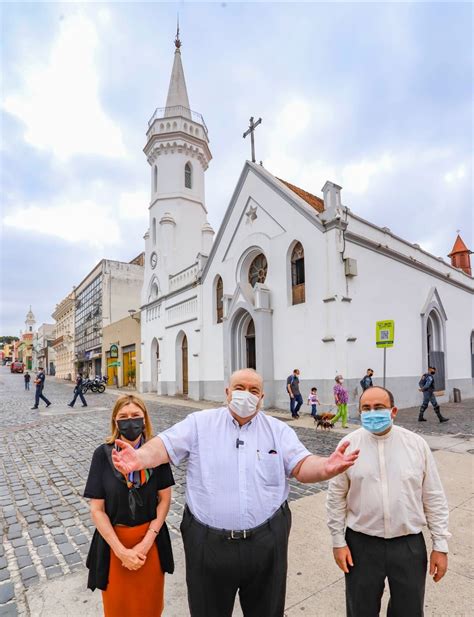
(268, 469)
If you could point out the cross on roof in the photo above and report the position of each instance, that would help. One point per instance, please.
(250, 131)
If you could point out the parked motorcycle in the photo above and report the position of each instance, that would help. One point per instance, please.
(94, 385)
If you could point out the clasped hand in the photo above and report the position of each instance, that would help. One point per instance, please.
(131, 558)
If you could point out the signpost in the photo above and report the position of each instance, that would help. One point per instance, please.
(113, 351)
(384, 337)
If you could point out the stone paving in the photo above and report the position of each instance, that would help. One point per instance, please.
(45, 522)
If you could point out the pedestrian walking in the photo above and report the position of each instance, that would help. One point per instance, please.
(39, 381)
(313, 401)
(376, 511)
(78, 392)
(27, 378)
(427, 386)
(131, 547)
(341, 398)
(236, 521)
(293, 388)
(366, 381)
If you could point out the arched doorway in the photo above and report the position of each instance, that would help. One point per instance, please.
(184, 364)
(243, 341)
(155, 365)
(435, 348)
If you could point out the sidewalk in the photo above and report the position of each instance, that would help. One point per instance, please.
(315, 584)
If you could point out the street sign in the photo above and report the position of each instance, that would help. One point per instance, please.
(113, 351)
(384, 333)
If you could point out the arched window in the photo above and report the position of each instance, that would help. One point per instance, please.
(297, 275)
(155, 179)
(219, 300)
(188, 176)
(258, 270)
(153, 231)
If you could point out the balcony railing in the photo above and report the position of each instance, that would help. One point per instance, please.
(183, 278)
(177, 110)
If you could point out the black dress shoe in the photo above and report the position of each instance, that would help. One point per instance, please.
(84, 405)
(48, 405)
(69, 405)
(34, 407)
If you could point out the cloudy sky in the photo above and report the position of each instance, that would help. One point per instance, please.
(376, 97)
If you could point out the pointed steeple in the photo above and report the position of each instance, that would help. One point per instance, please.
(460, 256)
(177, 93)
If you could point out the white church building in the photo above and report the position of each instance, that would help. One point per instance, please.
(291, 280)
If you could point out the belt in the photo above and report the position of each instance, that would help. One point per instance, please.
(238, 534)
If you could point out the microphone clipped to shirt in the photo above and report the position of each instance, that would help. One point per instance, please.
(239, 442)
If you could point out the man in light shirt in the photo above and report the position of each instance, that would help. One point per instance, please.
(236, 522)
(377, 509)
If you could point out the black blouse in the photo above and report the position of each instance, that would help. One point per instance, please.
(105, 482)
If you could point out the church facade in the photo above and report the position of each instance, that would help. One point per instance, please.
(291, 280)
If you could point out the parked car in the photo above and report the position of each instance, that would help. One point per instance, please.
(17, 367)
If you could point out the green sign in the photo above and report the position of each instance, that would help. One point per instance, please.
(113, 351)
(385, 333)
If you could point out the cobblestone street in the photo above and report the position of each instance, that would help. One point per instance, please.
(46, 527)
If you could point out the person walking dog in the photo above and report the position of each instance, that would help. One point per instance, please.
(341, 398)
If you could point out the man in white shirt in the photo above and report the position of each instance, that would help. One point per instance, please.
(236, 523)
(377, 509)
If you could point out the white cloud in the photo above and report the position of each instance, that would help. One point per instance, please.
(59, 103)
(456, 174)
(134, 205)
(79, 222)
(358, 175)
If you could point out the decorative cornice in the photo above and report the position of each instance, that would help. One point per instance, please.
(170, 147)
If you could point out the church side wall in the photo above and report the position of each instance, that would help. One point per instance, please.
(388, 289)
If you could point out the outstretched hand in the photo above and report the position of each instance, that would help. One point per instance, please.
(125, 460)
(339, 461)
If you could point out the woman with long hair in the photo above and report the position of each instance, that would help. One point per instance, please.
(131, 547)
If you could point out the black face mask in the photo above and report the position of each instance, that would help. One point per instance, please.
(131, 428)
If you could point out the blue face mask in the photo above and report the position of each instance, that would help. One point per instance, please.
(377, 421)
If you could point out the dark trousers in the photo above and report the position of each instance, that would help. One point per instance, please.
(217, 567)
(78, 393)
(27, 385)
(295, 404)
(314, 410)
(39, 395)
(403, 561)
(429, 397)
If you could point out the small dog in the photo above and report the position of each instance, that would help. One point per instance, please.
(324, 421)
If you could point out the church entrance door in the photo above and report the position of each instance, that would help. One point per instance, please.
(184, 364)
(435, 349)
(250, 345)
(155, 363)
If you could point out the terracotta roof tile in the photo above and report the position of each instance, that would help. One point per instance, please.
(315, 202)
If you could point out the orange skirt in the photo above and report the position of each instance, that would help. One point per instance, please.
(134, 593)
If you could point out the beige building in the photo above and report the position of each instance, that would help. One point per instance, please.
(121, 351)
(106, 295)
(63, 343)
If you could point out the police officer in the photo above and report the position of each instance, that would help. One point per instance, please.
(427, 386)
(366, 381)
(78, 392)
(39, 381)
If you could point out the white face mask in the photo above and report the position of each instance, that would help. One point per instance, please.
(243, 403)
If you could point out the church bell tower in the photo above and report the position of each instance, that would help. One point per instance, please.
(177, 150)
